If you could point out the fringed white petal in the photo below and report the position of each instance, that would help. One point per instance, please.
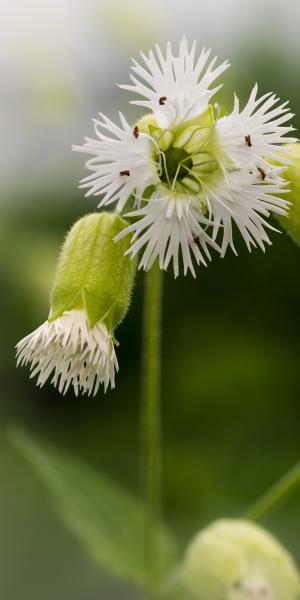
(257, 132)
(166, 227)
(122, 162)
(68, 352)
(175, 88)
(247, 201)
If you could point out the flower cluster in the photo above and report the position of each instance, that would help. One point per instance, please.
(185, 175)
(190, 172)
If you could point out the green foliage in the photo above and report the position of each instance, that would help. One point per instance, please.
(93, 272)
(105, 517)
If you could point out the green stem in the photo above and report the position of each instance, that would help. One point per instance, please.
(151, 418)
(275, 495)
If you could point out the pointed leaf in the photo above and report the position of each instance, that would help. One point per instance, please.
(104, 516)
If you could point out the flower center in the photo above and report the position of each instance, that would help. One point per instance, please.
(175, 165)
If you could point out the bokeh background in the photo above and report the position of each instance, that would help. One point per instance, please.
(231, 338)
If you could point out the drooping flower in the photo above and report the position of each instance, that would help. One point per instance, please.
(90, 296)
(239, 560)
(69, 352)
(192, 176)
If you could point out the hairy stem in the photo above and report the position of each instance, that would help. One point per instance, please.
(151, 419)
(275, 495)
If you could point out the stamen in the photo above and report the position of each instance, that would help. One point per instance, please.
(217, 109)
(196, 238)
(136, 132)
(127, 173)
(165, 167)
(262, 172)
(162, 100)
(248, 140)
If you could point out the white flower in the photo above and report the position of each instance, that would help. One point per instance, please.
(176, 88)
(121, 165)
(256, 133)
(192, 176)
(166, 225)
(70, 353)
(245, 199)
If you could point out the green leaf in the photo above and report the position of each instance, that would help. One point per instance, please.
(104, 516)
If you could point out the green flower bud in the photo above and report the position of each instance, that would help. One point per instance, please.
(238, 560)
(90, 296)
(291, 222)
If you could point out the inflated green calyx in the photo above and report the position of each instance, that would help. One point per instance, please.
(292, 221)
(92, 273)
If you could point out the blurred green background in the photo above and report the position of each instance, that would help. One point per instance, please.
(231, 338)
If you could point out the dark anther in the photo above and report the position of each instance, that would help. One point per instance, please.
(262, 172)
(162, 100)
(125, 173)
(196, 238)
(248, 140)
(136, 132)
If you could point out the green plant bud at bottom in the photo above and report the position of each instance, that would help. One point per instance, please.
(238, 560)
(292, 221)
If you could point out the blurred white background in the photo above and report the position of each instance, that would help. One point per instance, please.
(60, 60)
